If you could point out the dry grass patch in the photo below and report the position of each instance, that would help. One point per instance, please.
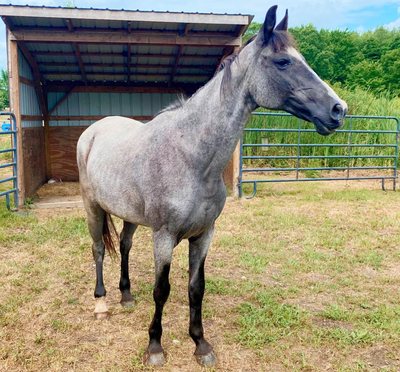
(304, 277)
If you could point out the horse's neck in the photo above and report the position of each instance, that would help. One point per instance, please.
(217, 119)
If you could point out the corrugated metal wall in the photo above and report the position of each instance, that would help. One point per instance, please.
(107, 104)
(28, 97)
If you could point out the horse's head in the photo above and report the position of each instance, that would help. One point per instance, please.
(282, 80)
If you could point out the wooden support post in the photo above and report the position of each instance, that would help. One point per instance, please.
(15, 104)
(46, 122)
(231, 173)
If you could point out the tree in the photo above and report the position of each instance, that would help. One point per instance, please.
(391, 70)
(4, 97)
(368, 75)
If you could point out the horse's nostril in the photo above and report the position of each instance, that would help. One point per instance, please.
(337, 111)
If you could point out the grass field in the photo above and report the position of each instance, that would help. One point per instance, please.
(304, 277)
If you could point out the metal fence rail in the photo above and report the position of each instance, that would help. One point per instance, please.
(349, 146)
(12, 131)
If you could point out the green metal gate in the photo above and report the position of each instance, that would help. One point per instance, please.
(357, 151)
(10, 130)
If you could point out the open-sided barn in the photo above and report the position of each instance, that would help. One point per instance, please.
(69, 67)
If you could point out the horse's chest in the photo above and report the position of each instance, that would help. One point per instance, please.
(201, 217)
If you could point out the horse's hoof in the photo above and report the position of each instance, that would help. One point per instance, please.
(208, 360)
(128, 304)
(154, 360)
(102, 316)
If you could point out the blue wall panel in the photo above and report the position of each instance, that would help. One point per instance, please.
(107, 104)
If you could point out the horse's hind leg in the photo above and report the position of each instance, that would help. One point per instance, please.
(198, 247)
(95, 223)
(125, 246)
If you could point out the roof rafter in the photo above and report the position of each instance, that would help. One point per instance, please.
(128, 63)
(38, 77)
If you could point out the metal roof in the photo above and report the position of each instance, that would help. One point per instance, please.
(93, 46)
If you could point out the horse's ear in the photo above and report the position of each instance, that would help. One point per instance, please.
(268, 27)
(283, 25)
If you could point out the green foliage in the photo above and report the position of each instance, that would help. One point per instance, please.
(370, 60)
(4, 98)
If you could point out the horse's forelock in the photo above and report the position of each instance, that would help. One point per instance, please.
(281, 40)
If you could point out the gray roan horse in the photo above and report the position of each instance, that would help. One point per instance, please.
(167, 174)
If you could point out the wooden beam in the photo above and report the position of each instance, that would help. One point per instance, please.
(37, 75)
(120, 87)
(124, 31)
(32, 62)
(240, 29)
(8, 22)
(123, 15)
(26, 81)
(129, 29)
(15, 105)
(231, 172)
(57, 73)
(108, 38)
(94, 117)
(69, 25)
(136, 55)
(125, 89)
(32, 118)
(80, 63)
(62, 100)
(178, 56)
(121, 65)
(128, 64)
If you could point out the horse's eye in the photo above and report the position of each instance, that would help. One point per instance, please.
(283, 63)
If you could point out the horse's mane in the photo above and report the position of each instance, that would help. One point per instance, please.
(278, 41)
(178, 103)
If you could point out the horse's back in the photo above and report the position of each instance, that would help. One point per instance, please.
(108, 132)
(110, 125)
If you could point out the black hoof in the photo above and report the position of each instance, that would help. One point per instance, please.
(208, 360)
(154, 360)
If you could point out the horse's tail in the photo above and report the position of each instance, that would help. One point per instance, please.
(109, 234)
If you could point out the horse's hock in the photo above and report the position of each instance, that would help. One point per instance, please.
(72, 71)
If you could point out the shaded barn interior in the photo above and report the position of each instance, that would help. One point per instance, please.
(69, 67)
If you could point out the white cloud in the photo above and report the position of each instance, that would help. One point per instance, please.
(392, 25)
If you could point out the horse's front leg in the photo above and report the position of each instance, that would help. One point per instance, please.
(198, 248)
(163, 246)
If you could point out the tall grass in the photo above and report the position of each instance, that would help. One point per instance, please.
(5, 143)
(360, 102)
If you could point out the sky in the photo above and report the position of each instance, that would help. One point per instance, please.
(354, 15)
